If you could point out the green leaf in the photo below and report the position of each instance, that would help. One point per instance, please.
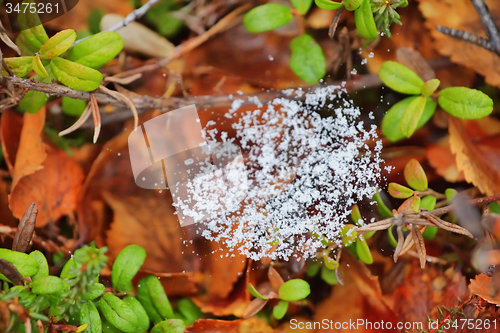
(330, 263)
(328, 4)
(189, 310)
(26, 265)
(94, 290)
(31, 27)
(97, 50)
(38, 66)
(118, 313)
(465, 103)
(352, 4)
(74, 75)
(302, 6)
(89, 315)
(142, 316)
(450, 194)
(20, 66)
(253, 291)
(313, 270)
(415, 175)
(26, 48)
(94, 20)
(365, 23)
(348, 234)
(329, 276)
(392, 119)
(400, 78)
(127, 264)
(152, 296)
(430, 87)
(307, 60)
(382, 208)
(363, 251)
(43, 265)
(58, 44)
(169, 326)
(430, 232)
(356, 216)
(294, 290)
(411, 204)
(392, 240)
(47, 285)
(279, 310)
(73, 107)
(399, 191)
(428, 202)
(160, 17)
(66, 272)
(411, 116)
(267, 17)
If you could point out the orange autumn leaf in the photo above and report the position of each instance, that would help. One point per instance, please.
(481, 286)
(251, 325)
(11, 124)
(443, 161)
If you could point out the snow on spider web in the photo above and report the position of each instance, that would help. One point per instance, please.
(304, 172)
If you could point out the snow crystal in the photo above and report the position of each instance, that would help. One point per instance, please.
(304, 174)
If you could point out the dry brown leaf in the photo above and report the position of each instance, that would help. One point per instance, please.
(11, 125)
(481, 286)
(443, 161)
(460, 14)
(251, 325)
(475, 144)
(55, 189)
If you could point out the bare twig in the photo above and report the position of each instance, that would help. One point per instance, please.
(335, 22)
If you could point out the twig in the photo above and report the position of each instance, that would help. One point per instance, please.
(335, 22)
(136, 14)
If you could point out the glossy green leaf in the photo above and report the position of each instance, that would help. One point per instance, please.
(94, 290)
(430, 233)
(253, 291)
(97, 50)
(126, 265)
(329, 276)
(356, 216)
(363, 251)
(392, 239)
(26, 48)
(43, 265)
(294, 290)
(302, 6)
(47, 285)
(267, 17)
(152, 296)
(352, 4)
(73, 107)
(89, 315)
(415, 175)
(430, 87)
(307, 60)
(392, 119)
(400, 78)
(348, 234)
(328, 4)
(465, 103)
(450, 194)
(74, 75)
(31, 27)
(118, 313)
(20, 66)
(330, 263)
(189, 310)
(142, 316)
(58, 44)
(410, 204)
(428, 202)
(26, 265)
(38, 67)
(365, 23)
(169, 326)
(66, 272)
(411, 116)
(382, 208)
(279, 310)
(399, 191)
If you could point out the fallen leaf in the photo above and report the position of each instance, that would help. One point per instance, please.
(443, 161)
(460, 14)
(11, 125)
(251, 325)
(475, 145)
(481, 286)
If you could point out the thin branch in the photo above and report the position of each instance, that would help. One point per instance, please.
(468, 37)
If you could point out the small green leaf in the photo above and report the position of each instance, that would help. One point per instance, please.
(89, 315)
(302, 6)
(26, 48)
(95, 290)
(430, 87)
(127, 264)
(313, 270)
(43, 265)
(253, 291)
(94, 20)
(294, 290)
(142, 316)
(329, 276)
(20, 66)
(152, 296)
(465, 103)
(74, 75)
(267, 17)
(415, 175)
(31, 26)
(450, 194)
(392, 240)
(118, 313)
(430, 232)
(279, 310)
(411, 204)
(328, 4)
(363, 251)
(330, 263)
(26, 265)
(58, 44)
(66, 272)
(382, 208)
(411, 116)
(392, 119)
(47, 285)
(169, 326)
(73, 107)
(352, 4)
(365, 23)
(356, 216)
(307, 60)
(400, 78)
(38, 66)
(348, 234)
(399, 191)
(97, 50)
(428, 202)
(189, 310)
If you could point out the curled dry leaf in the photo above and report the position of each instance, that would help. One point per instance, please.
(481, 286)
(25, 229)
(275, 278)
(418, 239)
(11, 272)
(443, 161)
